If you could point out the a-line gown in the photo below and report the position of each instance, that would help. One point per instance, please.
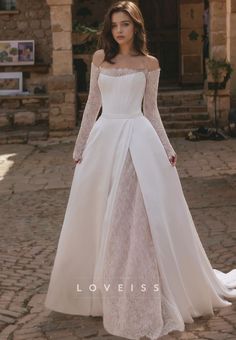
(128, 248)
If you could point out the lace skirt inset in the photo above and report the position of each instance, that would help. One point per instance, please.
(130, 260)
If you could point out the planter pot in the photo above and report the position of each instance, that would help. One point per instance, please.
(216, 86)
(221, 83)
(79, 38)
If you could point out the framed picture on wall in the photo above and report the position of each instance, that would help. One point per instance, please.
(17, 52)
(11, 83)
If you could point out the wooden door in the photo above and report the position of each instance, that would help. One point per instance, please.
(161, 18)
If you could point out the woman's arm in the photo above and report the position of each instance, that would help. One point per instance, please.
(150, 108)
(91, 110)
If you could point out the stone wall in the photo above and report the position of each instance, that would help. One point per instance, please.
(89, 13)
(218, 28)
(17, 111)
(61, 83)
(31, 22)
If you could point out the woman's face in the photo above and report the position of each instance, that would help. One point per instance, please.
(122, 28)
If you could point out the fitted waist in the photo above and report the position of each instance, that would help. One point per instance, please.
(122, 115)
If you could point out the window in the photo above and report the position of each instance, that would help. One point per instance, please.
(7, 5)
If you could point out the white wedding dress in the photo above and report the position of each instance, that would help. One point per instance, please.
(127, 222)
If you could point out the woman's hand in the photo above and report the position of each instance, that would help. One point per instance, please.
(173, 160)
(78, 161)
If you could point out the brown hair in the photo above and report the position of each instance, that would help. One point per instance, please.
(106, 40)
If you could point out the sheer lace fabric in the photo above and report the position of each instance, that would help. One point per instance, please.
(121, 71)
(151, 111)
(131, 259)
(91, 111)
(94, 103)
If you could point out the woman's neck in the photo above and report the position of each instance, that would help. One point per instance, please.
(127, 52)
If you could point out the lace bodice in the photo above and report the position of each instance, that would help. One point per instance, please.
(94, 103)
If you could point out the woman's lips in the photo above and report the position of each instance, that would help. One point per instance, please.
(120, 37)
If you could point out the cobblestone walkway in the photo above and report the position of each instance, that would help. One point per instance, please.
(34, 188)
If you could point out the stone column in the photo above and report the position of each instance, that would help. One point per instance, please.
(231, 46)
(218, 49)
(61, 85)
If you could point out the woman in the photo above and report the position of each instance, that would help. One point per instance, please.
(128, 249)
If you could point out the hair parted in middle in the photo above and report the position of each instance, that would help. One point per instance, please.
(106, 40)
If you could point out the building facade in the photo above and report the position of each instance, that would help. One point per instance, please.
(177, 36)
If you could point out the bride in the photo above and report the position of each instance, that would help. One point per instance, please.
(128, 249)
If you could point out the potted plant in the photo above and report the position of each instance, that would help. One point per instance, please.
(84, 41)
(218, 74)
(84, 38)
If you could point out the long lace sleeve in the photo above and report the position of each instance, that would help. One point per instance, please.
(91, 111)
(150, 109)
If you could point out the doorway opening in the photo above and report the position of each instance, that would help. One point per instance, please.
(161, 19)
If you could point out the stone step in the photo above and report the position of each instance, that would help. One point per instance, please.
(181, 91)
(182, 109)
(179, 101)
(175, 124)
(181, 97)
(178, 132)
(184, 116)
(24, 134)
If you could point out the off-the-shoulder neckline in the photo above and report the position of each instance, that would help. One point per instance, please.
(126, 68)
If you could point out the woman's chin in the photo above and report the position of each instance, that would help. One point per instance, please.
(121, 42)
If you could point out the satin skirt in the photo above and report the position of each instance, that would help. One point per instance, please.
(128, 248)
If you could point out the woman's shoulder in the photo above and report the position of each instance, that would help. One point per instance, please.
(98, 57)
(152, 63)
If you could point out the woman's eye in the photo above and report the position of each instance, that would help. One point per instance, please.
(125, 24)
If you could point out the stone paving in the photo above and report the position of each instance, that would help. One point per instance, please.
(34, 187)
